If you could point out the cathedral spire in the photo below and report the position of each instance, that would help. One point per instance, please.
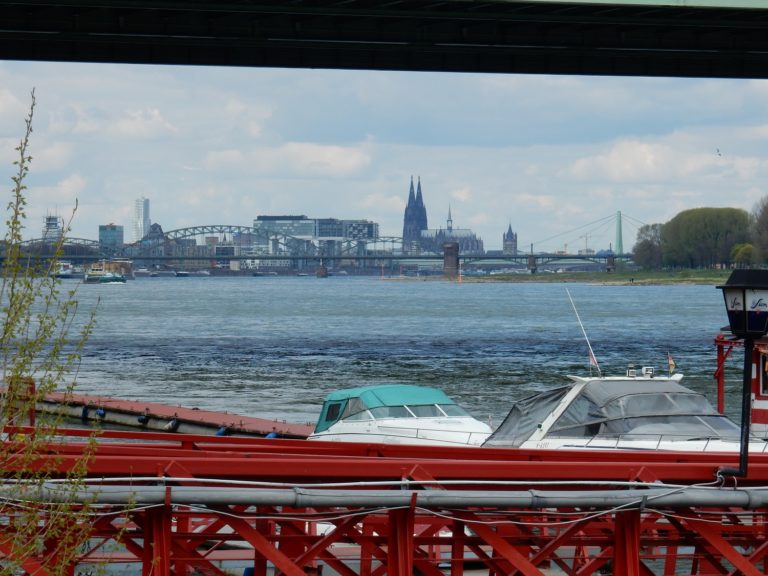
(419, 198)
(449, 222)
(411, 195)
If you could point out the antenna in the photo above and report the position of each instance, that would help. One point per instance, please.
(592, 357)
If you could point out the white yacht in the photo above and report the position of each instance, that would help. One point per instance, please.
(397, 414)
(639, 411)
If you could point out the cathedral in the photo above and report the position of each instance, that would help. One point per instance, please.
(419, 238)
(415, 220)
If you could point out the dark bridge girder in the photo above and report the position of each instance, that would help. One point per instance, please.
(502, 36)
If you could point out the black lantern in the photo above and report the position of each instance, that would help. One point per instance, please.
(746, 300)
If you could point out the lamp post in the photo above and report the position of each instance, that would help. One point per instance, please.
(746, 301)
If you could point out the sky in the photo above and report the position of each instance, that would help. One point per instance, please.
(555, 157)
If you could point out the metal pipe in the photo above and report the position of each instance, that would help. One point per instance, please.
(747, 498)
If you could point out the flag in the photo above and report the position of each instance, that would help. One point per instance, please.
(671, 362)
(593, 360)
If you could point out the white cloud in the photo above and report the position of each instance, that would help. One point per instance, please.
(626, 161)
(378, 202)
(249, 115)
(146, 123)
(58, 199)
(12, 112)
(463, 194)
(293, 159)
(539, 201)
(223, 159)
(57, 155)
(479, 219)
(313, 159)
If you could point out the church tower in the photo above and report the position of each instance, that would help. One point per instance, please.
(414, 220)
(509, 244)
(422, 210)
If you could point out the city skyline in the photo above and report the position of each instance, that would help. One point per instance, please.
(223, 145)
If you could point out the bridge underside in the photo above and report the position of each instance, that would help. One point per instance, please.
(492, 36)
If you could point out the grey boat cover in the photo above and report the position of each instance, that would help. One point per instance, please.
(610, 408)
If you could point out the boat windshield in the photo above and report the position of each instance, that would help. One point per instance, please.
(418, 411)
(669, 414)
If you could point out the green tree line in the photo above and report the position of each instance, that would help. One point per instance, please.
(705, 238)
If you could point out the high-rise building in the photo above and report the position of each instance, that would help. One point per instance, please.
(111, 236)
(509, 242)
(53, 229)
(414, 220)
(141, 222)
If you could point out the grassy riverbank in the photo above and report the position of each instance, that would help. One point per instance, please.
(712, 277)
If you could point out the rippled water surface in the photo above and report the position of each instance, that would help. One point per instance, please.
(273, 347)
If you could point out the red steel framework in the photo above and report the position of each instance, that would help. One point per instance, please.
(176, 504)
(296, 507)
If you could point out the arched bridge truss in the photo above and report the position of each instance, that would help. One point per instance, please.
(245, 242)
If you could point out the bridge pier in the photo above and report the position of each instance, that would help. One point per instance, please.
(451, 259)
(532, 266)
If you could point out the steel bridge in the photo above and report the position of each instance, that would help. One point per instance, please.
(214, 245)
(226, 242)
(704, 38)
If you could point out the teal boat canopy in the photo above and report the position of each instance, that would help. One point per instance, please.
(342, 403)
(391, 395)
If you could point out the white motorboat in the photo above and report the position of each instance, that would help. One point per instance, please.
(397, 414)
(639, 411)
(63, 270)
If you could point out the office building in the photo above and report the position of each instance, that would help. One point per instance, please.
(141, 221)
(111, 236)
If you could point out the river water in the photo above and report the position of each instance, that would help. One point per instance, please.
(275, 346)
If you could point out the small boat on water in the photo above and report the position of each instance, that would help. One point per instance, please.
(109, 272)
(397, 414)
(111, 278)
(63, 270)
(638, 411)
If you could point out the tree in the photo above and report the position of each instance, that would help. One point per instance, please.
(703, 237)
(647, 249)
(760, 230)
(39, 349)
(743, 255)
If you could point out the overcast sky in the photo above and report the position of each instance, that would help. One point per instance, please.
(549, 155)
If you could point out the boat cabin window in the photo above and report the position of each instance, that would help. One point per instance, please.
(426, 411)
(354, 406)
(333, 412)
(581, 419)
(453, 410)
(657, 403)
(391, 412)
(362, 415)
